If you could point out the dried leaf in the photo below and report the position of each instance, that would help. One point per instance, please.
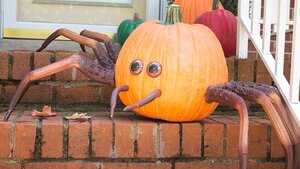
(46, 112)
(78, 116)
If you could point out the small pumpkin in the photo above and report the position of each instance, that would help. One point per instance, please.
(126, 27)
(191, 9)
(224, 24)
(176, 62)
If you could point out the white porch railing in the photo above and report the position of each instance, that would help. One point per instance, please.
(276, 13)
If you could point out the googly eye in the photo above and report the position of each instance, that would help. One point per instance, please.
(154, 69)
(136, 67)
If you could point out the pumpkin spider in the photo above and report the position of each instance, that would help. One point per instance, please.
(231, 94)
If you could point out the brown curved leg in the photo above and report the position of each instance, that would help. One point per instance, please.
(228, 98)
(100, 53)
(284, 113)
(258, 95)
(84, 65)
(109, 44)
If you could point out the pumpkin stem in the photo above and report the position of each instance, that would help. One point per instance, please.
(173, 14)
(215, 5)
(136, 17)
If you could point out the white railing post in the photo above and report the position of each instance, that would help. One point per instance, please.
(242, 36)
(295, 60)
(267, 26)
(256, 10)
(280, 37)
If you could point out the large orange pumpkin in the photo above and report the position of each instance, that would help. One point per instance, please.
(191, 59)
(191, 9)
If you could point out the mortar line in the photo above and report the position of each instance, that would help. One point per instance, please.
(180, 140)
(10, 65)
(113, 141)
(65, 139)
(202, 140)
(38, 139)
(269, 140)
(13, 135)
(90, 137)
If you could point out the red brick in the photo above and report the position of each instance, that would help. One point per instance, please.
(191, 139)
(79, 75)
(1, 92)
(68, 165)
(38, 94)
(273, 165)
(227, 165)
(67, 74)
(252, 55)
(124, 137)
(101, 137)
(289, 36)
(78, 139)
(136, 165)
(257, 140)
(232, 135)
(5, 138)
(273, 46)
(277, 150)
(262, 74)
(230, 66)
(287, 68)
(10, 165)
(213, 138)
(105, 93)
(246, 70)
(146, 138)
(83, 94)
(9, 92)
(251, 46)
(206, 165)
(21, 64)
(52, 137)
(168, 140)
(25, 131)
(42, 59)
(4, 58)
(5, 135)
(288, 46)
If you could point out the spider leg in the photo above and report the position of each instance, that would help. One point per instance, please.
(108, 42)
(258, 95)
(100, 53)
(228, 98)
(284, 113)
(84, 65)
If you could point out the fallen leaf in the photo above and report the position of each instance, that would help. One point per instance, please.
(46, 112)
(77, 116)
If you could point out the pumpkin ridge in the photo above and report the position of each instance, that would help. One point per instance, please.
(195, 60)
(147, 60)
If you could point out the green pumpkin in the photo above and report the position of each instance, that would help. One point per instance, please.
(126, 27)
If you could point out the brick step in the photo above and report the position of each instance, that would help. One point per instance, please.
(131, 140)
(71, 86)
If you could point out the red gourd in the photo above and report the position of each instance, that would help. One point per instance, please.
(224, 24)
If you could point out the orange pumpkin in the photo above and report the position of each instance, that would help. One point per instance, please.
(191, 9)
(191, 59)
